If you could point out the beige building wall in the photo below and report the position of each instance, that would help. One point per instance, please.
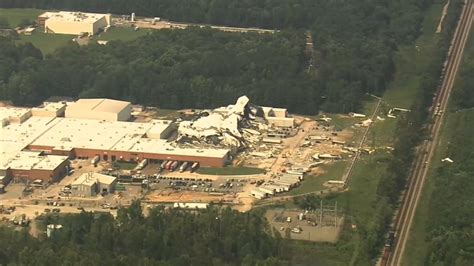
(48, 113)
(68, 27)
(124, 115)
(281, 121)
(100, 24)
(86, 114)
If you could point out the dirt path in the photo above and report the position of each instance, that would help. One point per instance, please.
(292, 144)
(34, 232)
(443, 16)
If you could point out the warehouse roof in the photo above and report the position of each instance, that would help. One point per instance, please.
(86, 179)
(159, 126)
(161, 146)
(12, 112)
(51, 106)
(27, 160)
(105, 179)
(274, 112)
(90, 179)
(15, 137)
(72, 16)
(98, 105)
(71, 133)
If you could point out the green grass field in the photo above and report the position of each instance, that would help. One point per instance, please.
(411, 62)
(125, 165)
(47, 43)
(416, 247)
(122, 34)
(16, 15)
(315, 183)
(230, 170)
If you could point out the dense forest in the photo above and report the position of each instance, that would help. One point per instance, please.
(451, 210)
(354, 42)
(274, 14)
(169, 69)
(164, 237)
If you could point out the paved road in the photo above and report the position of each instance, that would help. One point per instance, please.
(424, 156)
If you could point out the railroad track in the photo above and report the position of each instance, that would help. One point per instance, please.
(404, 218)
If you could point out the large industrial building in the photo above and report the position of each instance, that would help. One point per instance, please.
(74, 23)
(19, 129)
(28, 165)
(36, 143)
(99, 109)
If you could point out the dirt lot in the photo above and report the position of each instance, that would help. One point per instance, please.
(297, 151)
(167, 196)
(311, 229)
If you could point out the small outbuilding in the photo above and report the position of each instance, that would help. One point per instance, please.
(91, 184)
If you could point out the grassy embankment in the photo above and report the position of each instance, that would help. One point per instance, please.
(15, 16)
(416, 248)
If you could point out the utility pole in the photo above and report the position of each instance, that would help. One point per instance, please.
(321, 215)
(373, 140)
(335, 217)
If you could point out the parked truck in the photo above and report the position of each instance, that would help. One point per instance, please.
(194, 167)
(95, 160)
(168, 165)
(174, 165)
(183, 167)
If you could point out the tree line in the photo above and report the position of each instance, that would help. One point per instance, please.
(355, 42)
(163, 237)
(170, 68)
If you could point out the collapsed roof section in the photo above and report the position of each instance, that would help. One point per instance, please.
(233, 126)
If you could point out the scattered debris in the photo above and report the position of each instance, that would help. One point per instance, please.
(448, 160)
(392, 113)
(236, 126)
(356, 115)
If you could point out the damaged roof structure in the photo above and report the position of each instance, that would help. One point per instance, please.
(234, 126)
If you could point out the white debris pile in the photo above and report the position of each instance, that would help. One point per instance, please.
(233, 126)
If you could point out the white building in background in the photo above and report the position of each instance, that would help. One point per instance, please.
(278, 117)
(74, 23)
